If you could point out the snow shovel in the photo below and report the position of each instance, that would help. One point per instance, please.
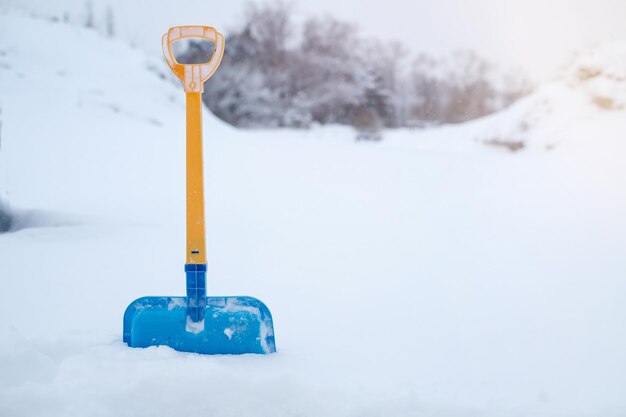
(197, 323)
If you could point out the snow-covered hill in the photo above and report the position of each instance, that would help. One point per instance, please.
(581, 110)
(590, 92)
(425, 275)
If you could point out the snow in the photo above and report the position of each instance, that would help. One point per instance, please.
(428, 274)
(229, 332)
(194, 327)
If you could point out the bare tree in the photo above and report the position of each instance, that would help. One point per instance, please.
(470, 91)
(109, 22)
(270, 27)
(89, 16)
(426, 98)
(329, 69)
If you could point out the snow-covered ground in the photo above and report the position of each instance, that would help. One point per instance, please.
(426, 275)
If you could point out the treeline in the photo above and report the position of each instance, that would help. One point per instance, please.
(279, 74)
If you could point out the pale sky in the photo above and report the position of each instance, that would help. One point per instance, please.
(536, 36)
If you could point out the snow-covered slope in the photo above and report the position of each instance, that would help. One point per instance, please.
(425, 275)
(590, 92)
(581, 110)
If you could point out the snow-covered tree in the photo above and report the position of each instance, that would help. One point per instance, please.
(276, 73)
(329, 71)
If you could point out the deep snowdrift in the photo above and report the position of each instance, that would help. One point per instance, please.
(426, 275)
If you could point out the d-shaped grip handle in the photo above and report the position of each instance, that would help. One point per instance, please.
(193, 75)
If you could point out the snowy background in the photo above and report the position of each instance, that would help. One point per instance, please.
(474, 269)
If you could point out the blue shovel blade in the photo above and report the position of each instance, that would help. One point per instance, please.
(231, 325)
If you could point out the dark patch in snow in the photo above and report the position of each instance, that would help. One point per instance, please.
(5, 219)
(511, 145)
(155, 122)
(372, 136)
(154, 68)
(16, 220)
(38, 218)
(586, 73)
(112, 107)
(605, 103)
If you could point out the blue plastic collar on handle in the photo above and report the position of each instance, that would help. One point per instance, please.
(196, 291)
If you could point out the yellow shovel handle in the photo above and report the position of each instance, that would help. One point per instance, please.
(196, 245)
(193, 77)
